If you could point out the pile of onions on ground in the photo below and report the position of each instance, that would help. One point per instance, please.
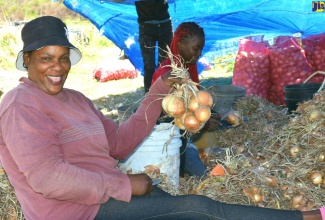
(279, 166)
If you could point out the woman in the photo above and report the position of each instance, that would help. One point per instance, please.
(60, 152)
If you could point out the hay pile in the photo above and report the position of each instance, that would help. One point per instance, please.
(262, 163)
(9, 205)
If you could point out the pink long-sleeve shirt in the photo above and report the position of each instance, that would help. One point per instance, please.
(60, 153)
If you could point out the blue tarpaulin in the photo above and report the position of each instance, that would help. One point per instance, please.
(224, 22)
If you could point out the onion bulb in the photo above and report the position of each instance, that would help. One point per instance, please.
(257, 197)
(321, 157)
(316, 178)
(297, 201)
(254, 194)
(193, 103)
(173, 105)
(205, 98)
(233, 119)
(191, 123)
(314, 115)
(270, 181)
(202, 113)
(294, 150)
(179, 121)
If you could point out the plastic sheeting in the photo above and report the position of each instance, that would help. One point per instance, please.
(224, 21)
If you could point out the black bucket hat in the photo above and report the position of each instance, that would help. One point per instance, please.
(45, 31)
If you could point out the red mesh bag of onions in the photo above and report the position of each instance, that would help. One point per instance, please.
(288, 66)
(314, 47)
(252, 68)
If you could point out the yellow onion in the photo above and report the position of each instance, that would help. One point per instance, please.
(233, 119)
(152, 169)
(205, 98)
(314, 115)
(316, 178)
(321, 157)
(179, 121)
(202, 113)
(297, 201)
(193, 103)
(253, 194)
(173, 105)
(294, 151)
(271, 181)
(191, 123)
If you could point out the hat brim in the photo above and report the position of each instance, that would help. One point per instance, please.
(75, 54)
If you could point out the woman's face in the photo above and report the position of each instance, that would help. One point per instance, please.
(48, 67)
(191, 49)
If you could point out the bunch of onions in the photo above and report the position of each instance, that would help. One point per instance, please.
(190, 107)
(191, 110)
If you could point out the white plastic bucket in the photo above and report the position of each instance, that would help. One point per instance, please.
(153, 151)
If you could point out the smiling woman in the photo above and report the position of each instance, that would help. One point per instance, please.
(48, 67)
(61, 153)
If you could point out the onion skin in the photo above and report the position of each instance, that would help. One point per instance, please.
(316, 178)
(294, 151)
(314, 115)
(205, 98)
(271, 181)
(173, 105)
(179, 121)
(203, 113)
(152, 169)
(191, 123)
(297, 201)
(233, 119)
(321, 157)
(193, 103)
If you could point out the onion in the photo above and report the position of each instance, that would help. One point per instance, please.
(233, 119)
(203, 113)
(314, 115)
(321, 157)
(179, 121)
(173, 105)
(271, 181)
(204, 98)
(297, 201)
(253, 194)
(257, 197)
(193, 103)
(240, 149)
(316, 178)
(152, 169)
(294, 150)
(191, 123)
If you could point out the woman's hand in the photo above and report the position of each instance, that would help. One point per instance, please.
(141, 184)
(170, 80)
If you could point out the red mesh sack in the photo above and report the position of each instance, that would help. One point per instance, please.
(115, 70)
(314, 47)
(288, 66)
(252, 68)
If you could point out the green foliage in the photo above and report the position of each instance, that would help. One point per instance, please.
(225, 63)
(20, 10)
(8, 46)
